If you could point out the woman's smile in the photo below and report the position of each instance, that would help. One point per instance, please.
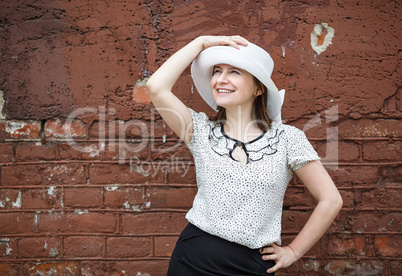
(232, 86)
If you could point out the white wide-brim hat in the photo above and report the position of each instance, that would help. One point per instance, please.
(251, 58)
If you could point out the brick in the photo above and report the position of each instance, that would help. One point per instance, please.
(338, 151)
(347, 176)
(52, 268)
(352, 267)
(124, 173)
(388, 246)
(395, 268)
(164, 246)
(381, 198)
(83, 197)
(143, 268)
(17, 223)
(43, 174)
(79, 151)
(182, 173)
(123, 197)
(370, 128)
(128, 247)
(170, 151)
(35, 152)
(48, 198)
(153, 223)
(311, 265)
(293, 221)
(367, 221)
(39, 247)
(389, 176)
(78, 222)
(6, 153)
(8, 249)
(27, 129)
(347, 245)
(85, 246)
(171, 197)
(348, 198)
(125, 150)
(382, 151)
(9, 269)
(297, 197)
(10, 199)
(118, 129)
(58, 128)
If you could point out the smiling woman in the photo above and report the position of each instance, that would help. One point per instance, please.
(244, 158)
(232, 86)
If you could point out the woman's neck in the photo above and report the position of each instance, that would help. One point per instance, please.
(240, 124)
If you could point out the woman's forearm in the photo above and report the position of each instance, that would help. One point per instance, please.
(318, 223)
(166, 76)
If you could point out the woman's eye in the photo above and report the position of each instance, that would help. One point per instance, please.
(216, 71)
(235, 72)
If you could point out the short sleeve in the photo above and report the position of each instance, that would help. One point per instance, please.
(299, 149)
(200, 124)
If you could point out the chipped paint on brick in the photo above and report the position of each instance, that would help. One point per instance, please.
(52, 268)
(17, 203)
(6, 241)
(18, 129)
(2, 101)
(53, 252)
(50, 191)
(93, 150)
(321, 37)
(36, 220)
(111, 188)
(79, 212)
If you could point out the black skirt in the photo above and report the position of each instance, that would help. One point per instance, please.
(199, 253)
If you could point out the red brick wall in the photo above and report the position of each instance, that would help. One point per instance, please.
(92, 183)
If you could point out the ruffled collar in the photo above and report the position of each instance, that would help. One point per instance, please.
(255, 150)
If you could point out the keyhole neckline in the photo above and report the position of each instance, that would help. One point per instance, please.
(241, 143)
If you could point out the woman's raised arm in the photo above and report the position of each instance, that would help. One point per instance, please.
(174, 111)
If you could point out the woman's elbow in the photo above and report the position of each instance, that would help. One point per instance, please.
(338, 202)
(152, 87)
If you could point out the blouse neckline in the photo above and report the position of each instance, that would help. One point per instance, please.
(240, 143)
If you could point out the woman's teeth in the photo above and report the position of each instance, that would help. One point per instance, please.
(225, 91)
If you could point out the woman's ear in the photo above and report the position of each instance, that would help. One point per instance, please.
(258, 92)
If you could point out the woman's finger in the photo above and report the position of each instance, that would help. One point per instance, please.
(234, 41)
(269, 257)
(267, 250)
(274, 268)
(239, 40)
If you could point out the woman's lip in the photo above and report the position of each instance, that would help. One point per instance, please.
(224, 91)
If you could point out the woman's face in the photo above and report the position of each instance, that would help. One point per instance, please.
(232, 86)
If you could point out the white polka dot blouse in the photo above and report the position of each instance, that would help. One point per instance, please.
(242, 201)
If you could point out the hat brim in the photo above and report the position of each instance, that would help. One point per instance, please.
(202, 70)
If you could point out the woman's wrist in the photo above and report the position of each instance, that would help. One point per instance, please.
(297, 256)
(199, 42)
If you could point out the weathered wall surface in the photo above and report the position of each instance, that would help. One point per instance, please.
(93, 183)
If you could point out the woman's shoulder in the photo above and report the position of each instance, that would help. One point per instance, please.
(200, 119)
(287, 129)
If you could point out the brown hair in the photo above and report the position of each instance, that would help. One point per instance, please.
(259, 109)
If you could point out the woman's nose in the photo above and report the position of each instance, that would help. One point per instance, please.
(222, 78)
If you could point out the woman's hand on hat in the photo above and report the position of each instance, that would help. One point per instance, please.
(235, 41)
(283, 256)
